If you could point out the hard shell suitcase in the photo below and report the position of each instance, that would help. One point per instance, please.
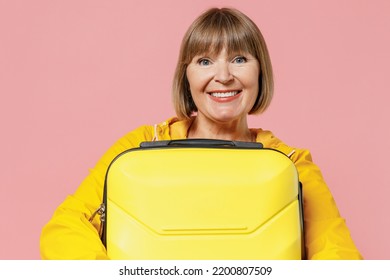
(202, 199)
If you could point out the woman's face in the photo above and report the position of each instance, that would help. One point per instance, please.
(224, 88)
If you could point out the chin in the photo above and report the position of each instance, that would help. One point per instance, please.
(226, 118)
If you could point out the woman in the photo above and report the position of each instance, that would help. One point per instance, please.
(223, 74)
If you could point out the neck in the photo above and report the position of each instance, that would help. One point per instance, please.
(235, 130)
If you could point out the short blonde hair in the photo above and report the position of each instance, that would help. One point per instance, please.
(212, 31)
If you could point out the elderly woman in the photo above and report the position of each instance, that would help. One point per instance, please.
(223, 74)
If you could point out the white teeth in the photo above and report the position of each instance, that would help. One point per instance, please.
(224, 94)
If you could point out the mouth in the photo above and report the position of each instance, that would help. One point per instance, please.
(224, 94)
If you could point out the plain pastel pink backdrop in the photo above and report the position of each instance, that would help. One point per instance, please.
(77, 75)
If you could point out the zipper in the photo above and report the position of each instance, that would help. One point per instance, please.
(101, 211)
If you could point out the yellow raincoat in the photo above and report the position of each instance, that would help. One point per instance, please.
(70, 235)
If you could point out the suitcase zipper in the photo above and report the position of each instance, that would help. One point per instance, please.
(101, 211)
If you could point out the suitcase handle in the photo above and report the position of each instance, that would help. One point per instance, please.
(200, 142)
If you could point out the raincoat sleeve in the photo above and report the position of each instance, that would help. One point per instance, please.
(69, 234)
(326, 233)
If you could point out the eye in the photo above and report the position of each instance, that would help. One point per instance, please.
(204, 62)
(240, 59)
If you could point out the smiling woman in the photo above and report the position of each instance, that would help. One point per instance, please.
(224, 89)
(214, 31)
(223, 74)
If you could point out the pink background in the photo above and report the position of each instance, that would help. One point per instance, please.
(77, 75)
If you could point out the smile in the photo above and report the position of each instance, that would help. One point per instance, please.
(225, 94)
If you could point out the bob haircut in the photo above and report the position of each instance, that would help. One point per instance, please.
(212, 31)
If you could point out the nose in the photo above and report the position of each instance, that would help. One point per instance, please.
(223, 74)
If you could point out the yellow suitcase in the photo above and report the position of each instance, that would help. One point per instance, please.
(202, 199)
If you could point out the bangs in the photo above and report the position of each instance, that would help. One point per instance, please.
(221, 31)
